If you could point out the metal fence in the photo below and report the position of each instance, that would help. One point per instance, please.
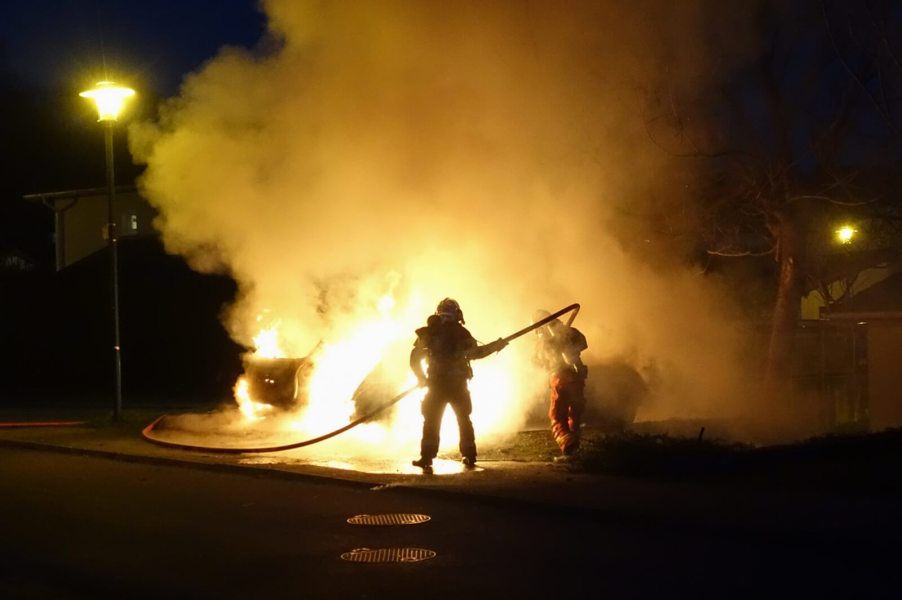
(830, 363)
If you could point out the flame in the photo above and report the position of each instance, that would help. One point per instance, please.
(266, 342)
(386, 303)
(340, 367)
(267, 345)
(252, 411)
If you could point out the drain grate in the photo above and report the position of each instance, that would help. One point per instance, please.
(389, 519)
(388, 555)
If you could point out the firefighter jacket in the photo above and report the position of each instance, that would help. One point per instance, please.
(447, 347)
(559, 350)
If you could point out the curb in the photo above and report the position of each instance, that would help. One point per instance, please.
(182, 463)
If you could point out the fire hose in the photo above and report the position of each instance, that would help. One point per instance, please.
(17, 424)
(148, 432)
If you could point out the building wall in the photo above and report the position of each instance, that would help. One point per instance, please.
(84, 224)
(885, 373)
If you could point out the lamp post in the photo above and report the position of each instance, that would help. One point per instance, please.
(110, 99)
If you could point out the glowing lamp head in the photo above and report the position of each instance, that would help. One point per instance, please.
(109, 98)
(845, 234)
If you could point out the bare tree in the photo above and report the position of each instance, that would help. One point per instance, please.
(787, 139)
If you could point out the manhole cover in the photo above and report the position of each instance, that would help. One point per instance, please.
(389, 519)
(386, 555)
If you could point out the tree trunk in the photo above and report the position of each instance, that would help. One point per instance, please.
(778, 367)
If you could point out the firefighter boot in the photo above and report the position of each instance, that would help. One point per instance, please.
(571, 445)
(469, 462)
(423, 463)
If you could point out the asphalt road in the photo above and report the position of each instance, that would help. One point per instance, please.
(87, 527)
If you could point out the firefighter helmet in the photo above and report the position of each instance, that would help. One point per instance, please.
(539, 315)
(450, 309)
(547, 328)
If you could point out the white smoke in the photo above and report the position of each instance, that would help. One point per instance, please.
(487, 151)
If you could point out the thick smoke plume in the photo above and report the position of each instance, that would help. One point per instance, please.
(494, 152)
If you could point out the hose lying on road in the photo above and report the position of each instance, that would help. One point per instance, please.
(149, 432)
(11, 424)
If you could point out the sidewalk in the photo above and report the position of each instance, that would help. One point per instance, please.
(723, 505)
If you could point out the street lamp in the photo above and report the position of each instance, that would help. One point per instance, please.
(845, 234)
(110, 99)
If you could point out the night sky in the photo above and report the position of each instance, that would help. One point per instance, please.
(52, 49)
(154, 43)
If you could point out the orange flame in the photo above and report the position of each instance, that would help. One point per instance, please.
(340, 366)
(252, 411)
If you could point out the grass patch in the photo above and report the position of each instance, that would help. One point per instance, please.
(526, 446)
(658, 455)
(846, 463)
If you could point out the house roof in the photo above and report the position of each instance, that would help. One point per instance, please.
(49, 198)
(881, 300)
(848, 264)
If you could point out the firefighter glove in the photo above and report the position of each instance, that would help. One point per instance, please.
(498, 345)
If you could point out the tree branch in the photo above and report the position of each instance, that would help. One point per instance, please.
(887, 118)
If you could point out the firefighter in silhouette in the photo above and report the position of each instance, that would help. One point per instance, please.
(558, 352)
(446, 348)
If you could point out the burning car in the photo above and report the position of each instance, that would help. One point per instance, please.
(281, 384)
(278, 382)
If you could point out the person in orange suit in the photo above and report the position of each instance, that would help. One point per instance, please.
(558, 351)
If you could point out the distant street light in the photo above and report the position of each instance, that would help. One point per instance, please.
(845, 234)
(110, 99)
